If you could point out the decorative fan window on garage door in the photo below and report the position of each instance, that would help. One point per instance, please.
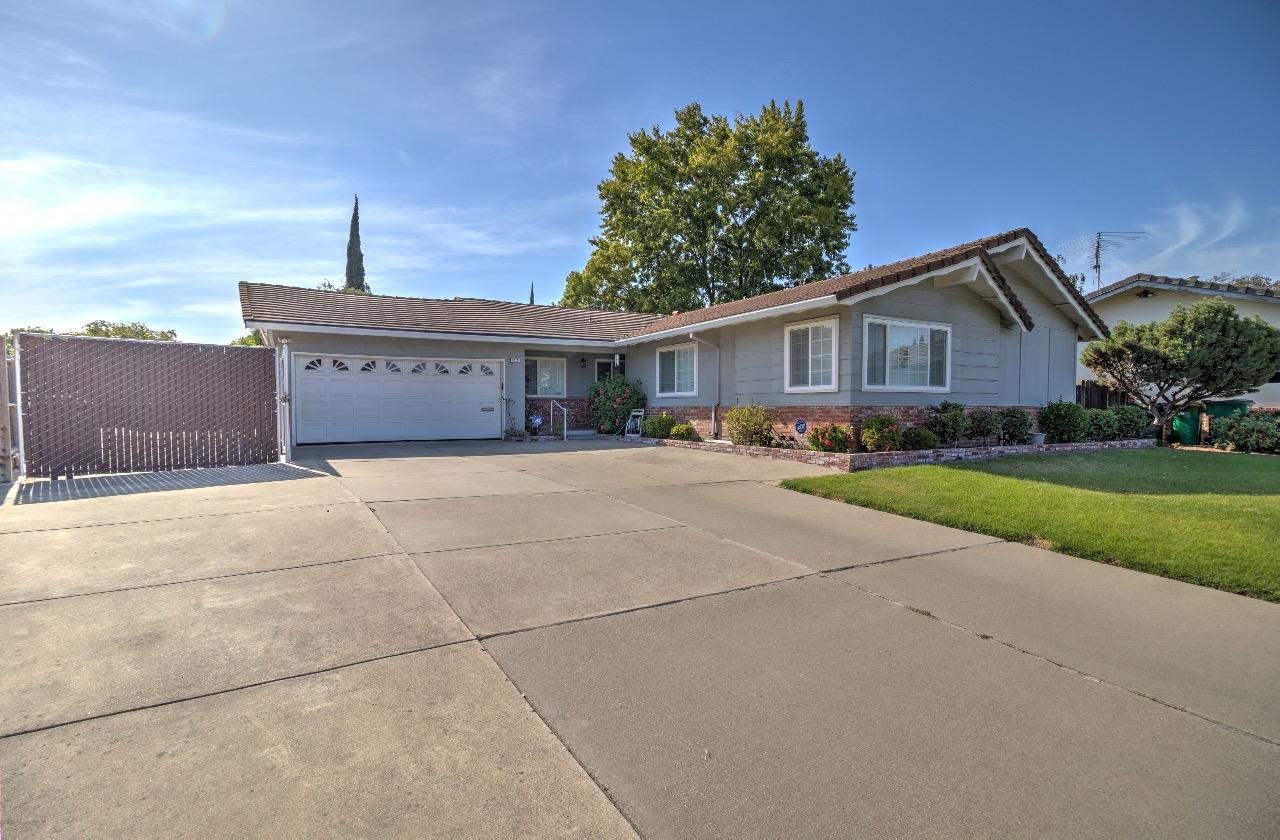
(338, 364)
(441, 370)
(368, 367)
(485, 370)
(465, 370)
(392, 367)
(314, 364)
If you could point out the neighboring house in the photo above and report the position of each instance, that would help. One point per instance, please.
(1143, 298)
(992, 322)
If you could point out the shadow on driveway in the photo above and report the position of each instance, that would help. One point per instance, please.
(97, 487)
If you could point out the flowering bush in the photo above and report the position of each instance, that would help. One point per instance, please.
(611, 402)
(881, 434)
(832, 438)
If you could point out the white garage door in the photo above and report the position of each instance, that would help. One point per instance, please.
(341, 399)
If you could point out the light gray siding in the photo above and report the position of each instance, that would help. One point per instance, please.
(991, 363)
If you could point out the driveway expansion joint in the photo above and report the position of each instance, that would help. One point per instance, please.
(179, 518)
(201, 579)
(1085, 674)
(161, 703)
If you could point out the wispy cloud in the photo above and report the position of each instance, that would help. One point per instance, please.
(1197, 238)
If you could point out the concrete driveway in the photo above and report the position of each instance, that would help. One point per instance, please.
(592, 639)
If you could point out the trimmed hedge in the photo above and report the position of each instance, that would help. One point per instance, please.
(749, 425)
(881, 434)
(657, 425)
(1064, 422)
(918, 437)
(684, 431)
(1015, 426)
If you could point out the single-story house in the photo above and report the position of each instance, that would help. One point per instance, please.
(991, 323)
(1143, 298)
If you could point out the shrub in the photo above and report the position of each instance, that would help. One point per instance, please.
(749, 425)
(1102, 424)
(918, 437)
(1064, 422)
(881, 434)
(611, 401)
(1252, 432)
(947, 422)
(657, 425)
(683, 431)
(1131, 421)
(832, 438)
(982, 425)
(1015, 426)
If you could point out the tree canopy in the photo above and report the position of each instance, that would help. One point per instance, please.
(1260, 281)
(1204, 351)
(105, 329)
(253, 338)
(716, 210)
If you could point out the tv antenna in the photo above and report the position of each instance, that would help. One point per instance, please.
(1098, 245)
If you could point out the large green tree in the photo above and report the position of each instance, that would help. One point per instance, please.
(355, 257)
(106, 329)
(1204, 351)
(716, 210)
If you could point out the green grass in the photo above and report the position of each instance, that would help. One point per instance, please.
(1203, 517)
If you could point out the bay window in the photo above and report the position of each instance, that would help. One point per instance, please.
(903, 355)
(678, 370)
(809, 356)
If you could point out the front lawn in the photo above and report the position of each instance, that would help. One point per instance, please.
(1203, 517)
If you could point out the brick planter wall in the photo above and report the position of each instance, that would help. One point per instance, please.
(785, 416)
(853, 462)
(579, 411)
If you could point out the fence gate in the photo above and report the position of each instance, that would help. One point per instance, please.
(103, 405)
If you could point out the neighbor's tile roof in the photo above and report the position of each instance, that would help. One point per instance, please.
(847, 285)
(293, 305)
(1194, 284)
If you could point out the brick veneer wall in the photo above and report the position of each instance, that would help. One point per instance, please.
(853, 462)
(698, 415)
(579, 411)
(785, 416)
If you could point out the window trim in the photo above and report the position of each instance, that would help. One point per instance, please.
(905, 322)
(564, 375)
(657, 369)
(787, 387)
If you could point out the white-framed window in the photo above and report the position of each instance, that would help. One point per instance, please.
(678, 370)
(543, 377)
(900, 355)
(810, 355)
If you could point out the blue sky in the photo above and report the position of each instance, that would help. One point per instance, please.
(155, 152)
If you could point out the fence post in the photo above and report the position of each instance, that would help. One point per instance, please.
(6, 425)
(284, 402)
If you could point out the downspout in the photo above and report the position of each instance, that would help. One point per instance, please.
(715, 405)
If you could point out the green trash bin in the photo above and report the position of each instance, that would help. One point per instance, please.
(1226, 408)
(1186, 426)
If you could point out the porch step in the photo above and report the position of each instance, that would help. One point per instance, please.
(582, 433)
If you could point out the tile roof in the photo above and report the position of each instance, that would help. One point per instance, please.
(292, 305)
(847, 285)
(1188, 283)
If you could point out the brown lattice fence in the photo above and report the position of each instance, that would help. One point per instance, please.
(94, 405)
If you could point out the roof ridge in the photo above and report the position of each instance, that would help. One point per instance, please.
(456, 298)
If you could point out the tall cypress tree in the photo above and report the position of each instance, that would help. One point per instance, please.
(355, 258)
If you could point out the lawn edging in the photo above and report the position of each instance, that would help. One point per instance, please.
(856, 461)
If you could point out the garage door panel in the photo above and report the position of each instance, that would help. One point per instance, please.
(397, 399)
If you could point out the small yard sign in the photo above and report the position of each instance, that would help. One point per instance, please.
(801, 426)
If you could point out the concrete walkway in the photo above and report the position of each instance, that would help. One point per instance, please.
(590, 639)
